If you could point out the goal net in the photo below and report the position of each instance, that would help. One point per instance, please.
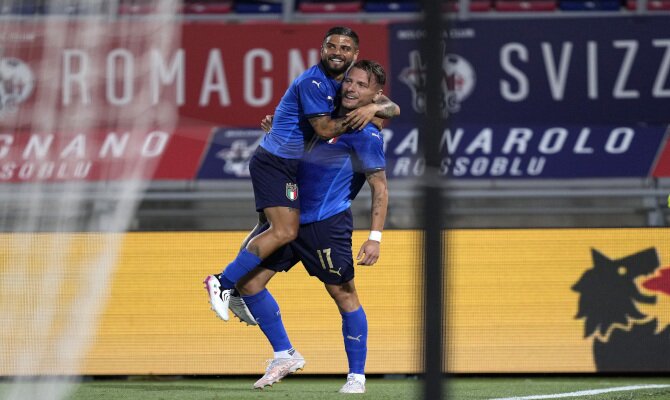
(86, 107)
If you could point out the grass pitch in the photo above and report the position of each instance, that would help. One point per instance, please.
(308, 387)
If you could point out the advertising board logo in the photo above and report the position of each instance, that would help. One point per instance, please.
(17, 82)
(236, 157)
(458, 82)
(625, 303)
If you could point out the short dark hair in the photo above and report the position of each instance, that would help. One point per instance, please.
(372, 68)
(344, 31)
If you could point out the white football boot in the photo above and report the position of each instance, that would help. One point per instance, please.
(278, 368)
(353, 385)
(219, 299)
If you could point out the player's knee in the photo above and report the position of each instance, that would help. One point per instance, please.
(286, 234)
(348, 305)
(346, 301)
(292, 233)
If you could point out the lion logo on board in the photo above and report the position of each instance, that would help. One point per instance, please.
(624, 303)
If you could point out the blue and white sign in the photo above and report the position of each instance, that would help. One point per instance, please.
(229, 153)
(576, 71)
(477, 151)
(527, 151)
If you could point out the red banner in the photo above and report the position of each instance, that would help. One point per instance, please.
(90, 100)
(227, 75)
(238, 73)
(101, 155)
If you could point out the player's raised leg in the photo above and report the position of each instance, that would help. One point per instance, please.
(276, 195)
(284, 223)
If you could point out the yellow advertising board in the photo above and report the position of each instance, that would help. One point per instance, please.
(526, 300)
(514, 303)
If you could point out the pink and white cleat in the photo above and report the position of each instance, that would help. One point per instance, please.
(353, 385)
(279, 368)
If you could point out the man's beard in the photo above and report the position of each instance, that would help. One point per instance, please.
(335, 71)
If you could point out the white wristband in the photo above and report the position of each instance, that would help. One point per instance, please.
(376, 236)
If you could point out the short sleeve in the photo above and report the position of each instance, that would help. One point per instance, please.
(369, 147)
(316, 97)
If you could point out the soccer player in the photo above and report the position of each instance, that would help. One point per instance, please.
(303, 113)
(331, 174)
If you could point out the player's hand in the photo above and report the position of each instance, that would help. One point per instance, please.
(358, 118)
(266, 123)
(369, 253)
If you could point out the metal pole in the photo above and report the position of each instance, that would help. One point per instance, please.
(287, 10)
(431, 128)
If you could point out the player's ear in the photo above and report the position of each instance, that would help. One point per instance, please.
(355, 56)
(377, 96)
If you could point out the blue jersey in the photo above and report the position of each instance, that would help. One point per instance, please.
(311, 94)
(331, 174)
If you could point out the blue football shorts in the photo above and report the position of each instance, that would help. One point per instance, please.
(324, 247)
(274, 180)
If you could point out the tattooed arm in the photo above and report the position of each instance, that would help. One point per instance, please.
(327, 127)
(383, 108)
(369, 252)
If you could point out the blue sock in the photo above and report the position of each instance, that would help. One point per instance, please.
(265, 310)
(240, 266)
(355, 332)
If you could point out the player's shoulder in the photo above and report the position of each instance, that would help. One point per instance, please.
(312, 73)
(370, 132)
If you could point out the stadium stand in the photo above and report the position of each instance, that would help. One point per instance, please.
(208, 7)
(474, 6)
(137, 7)
(525, 5)
(327, 6)
(75, 7)
(654, 5)
(27, 7)
(590, 5)
(258, 7)
(330, 8)
(391, 6)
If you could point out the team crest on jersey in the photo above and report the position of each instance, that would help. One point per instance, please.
(292, 191)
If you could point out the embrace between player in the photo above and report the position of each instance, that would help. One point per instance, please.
(329, 174)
